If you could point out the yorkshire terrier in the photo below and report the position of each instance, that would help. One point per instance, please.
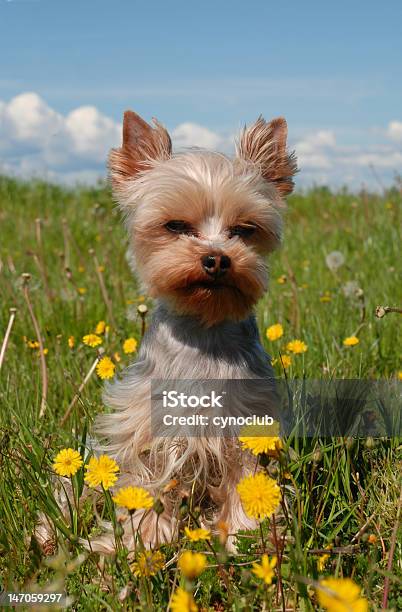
(200, 226)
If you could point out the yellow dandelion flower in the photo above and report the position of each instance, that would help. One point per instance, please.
(284, 360)
(341, 595)
(71, 342)
(196, 535)
(281, 279)
(323, 559)
(105, 368)
(182, 601)
(148, 563)
(81, 290)
(92, 340)
(265, 569)
(322, 562)
(67, 462)
(274, 332)
(400, 374)
(101, 471)
(296, 347)
(100, 328)
(260, 495)
(116, 357)
(261, 439)
(133, 498)
(351, 341)
(130, 345)
(372, 539)
(326, 297)
(191, 564)
(33, 344)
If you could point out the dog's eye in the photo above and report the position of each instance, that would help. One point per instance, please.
(244, 231)
(180, 227)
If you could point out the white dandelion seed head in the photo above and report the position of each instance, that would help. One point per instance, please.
(351, 289)
(335, 260)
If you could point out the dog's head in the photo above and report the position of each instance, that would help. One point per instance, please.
(201, 224)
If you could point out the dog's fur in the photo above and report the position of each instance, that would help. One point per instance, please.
(203, 326)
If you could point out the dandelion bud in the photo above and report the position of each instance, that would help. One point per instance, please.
(119, 530)
(158, 506)
(196, 511)
(370, 443)
(317, 455)
(183, 512)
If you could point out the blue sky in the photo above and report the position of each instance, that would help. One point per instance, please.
(332, 69)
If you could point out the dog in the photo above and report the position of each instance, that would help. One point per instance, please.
(200, 226)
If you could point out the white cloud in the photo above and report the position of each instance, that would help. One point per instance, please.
(394, 131)
(192, 134)
(391, 159)
(317, 140)
(27, 118)
(92, 133)
(313, 151)
(350, 164)
(36, 140)
(39, 140)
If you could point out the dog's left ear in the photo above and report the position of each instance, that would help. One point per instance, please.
(141, 144)
(265, 145)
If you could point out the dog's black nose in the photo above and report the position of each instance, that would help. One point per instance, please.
(215, 265)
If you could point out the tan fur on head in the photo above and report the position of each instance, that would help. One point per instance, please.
(212, 194)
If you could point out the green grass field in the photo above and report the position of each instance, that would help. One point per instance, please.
(339, 493)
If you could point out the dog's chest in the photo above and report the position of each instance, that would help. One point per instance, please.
(177, 347)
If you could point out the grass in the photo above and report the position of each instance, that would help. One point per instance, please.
(342, 493)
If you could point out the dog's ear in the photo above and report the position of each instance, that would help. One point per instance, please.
(141, 144)
(264, 144)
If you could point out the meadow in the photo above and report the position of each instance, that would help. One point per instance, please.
(63, 268)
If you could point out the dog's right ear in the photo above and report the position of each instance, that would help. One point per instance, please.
(141, 144)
